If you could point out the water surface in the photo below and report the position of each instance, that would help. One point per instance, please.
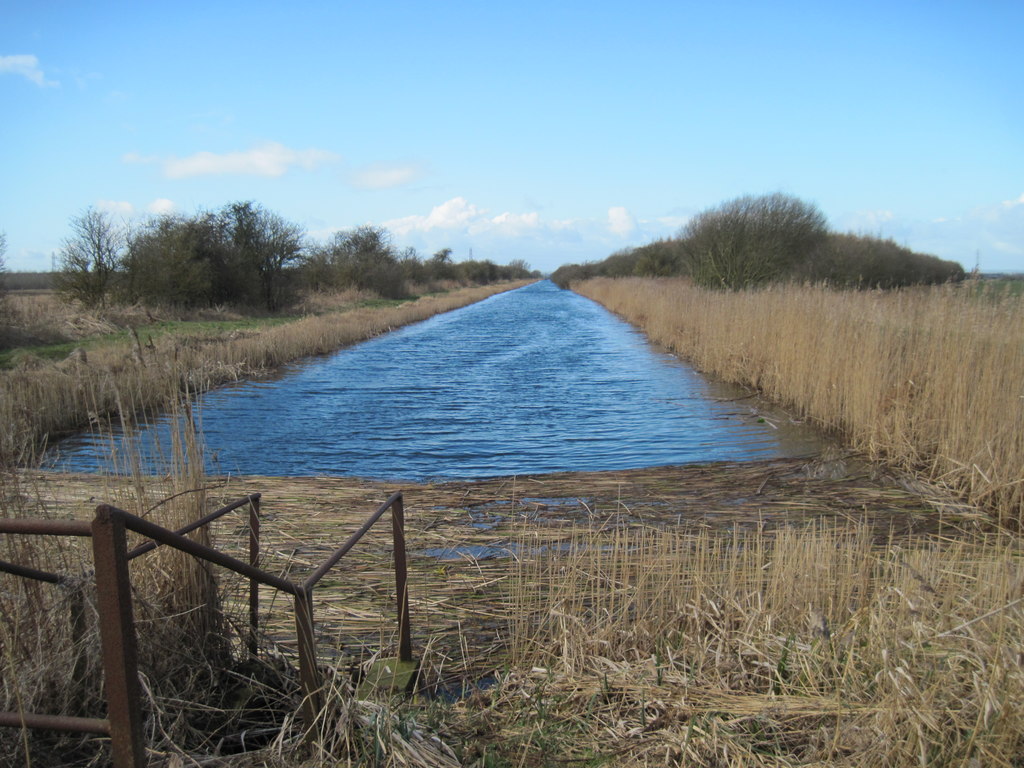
(533, 380)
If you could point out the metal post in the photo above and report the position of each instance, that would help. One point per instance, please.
(117, 636)
(309, 675)
(254, 586)
(401, 580)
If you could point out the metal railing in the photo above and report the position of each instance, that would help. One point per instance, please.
(116, 619)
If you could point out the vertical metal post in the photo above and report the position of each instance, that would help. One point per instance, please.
(309, 675)
(401, 580)
(254, 586)
(117, 636)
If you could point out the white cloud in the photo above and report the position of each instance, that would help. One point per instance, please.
(27, 66)
(620, 221)
(161, 206)
(270, 159)
(457, 213)
(512, 224)
(118, 207)
(867, 221)
(384, 177)
(1012, 203)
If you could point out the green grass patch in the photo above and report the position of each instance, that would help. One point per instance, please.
(210, 328)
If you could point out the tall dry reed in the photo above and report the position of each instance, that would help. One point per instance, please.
(929, 380)
(812, 646)
(197, 681)
(37, 404)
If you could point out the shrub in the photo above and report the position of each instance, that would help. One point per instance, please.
(751, 240)
(856, 261)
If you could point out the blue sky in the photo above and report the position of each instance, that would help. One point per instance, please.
(553, 132)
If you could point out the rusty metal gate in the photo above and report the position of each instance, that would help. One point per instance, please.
(107, 530)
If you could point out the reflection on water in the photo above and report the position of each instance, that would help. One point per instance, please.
(534, 380)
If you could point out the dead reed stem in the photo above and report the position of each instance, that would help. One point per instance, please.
(927, 379)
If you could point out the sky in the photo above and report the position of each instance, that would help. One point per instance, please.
(553, 132)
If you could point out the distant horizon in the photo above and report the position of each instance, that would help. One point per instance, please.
(552, 133)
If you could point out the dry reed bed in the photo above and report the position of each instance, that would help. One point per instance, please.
(767, 613)
(928, 380)
(52, 400)
(811, 647)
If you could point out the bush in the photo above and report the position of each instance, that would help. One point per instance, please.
(175, 260)
(362, 258)
(857, 261)
(751, 240)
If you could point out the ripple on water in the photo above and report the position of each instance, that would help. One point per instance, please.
(530, 381)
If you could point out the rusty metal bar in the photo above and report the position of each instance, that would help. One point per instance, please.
(117, 637)
(45, 527)
(254, 558)
(401, 578)
(344, 548)
(149, 546)
(31, 573)
(55, 722)
(185, 544)
(309, 674)
(117, 624)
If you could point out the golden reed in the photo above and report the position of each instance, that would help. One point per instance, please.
(930, 380)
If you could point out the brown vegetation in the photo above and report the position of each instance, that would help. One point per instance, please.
(777, 613)
(41, 401)
(926, 379)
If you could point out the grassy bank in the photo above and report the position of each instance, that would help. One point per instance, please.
(129, 374)
(928, 380)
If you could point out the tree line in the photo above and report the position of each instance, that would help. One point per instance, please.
(245, 255)
(755, 240)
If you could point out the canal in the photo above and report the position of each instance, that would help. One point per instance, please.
(531, 381)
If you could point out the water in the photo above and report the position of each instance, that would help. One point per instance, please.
(534, 380)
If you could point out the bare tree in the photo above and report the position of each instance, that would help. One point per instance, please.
(90, 258)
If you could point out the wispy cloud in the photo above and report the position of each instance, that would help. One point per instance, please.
(27, 66)
(870, 222)
(385, 177)
(118, 207)
(270, 159)
(992, 233)
(161, 206)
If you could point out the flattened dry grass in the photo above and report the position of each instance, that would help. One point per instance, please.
(927, 379)
(811, 646)
(771, 613)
